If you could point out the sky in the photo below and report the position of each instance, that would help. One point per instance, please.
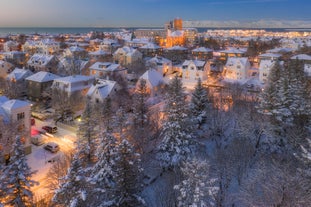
(145, 13)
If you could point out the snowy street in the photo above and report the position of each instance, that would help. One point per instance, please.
(40, 160)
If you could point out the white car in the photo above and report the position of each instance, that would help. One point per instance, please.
(52, 147)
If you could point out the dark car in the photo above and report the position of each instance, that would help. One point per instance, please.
(49, 129)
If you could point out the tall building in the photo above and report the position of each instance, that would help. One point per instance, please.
(178, 24)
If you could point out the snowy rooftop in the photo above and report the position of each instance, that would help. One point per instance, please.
(202, 49)
(153, 77)
(76, 49)
(234, 50)
(40, 59)
(127, 50)
(177, 48)
(151, 46)
(235, 60)
(42, 77)
(19, 74)
(197, 63)
(3, 99)
(98, 53)
(102, 87)
(266, 64)
(14, 104)
(301, 57)
(105, 66)
(177, 33)
(74, 79)
(272, 55)
(280, 50)
(159, 59)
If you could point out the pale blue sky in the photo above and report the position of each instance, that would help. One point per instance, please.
(117, 13)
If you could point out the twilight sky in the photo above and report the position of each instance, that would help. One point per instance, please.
(131, 13)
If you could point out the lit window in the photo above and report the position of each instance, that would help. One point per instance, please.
(20, 116)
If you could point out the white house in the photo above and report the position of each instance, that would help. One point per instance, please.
(161, 64)
(75, 52)
(48, 47)
(10, 46)
(101, 90)
(236, 68)
(107, 69)
(127, 56)
(192, 70)
(15, 111)
(75, 83)
(42, 62)
(264, 69)
(19, 75)
(154, 81)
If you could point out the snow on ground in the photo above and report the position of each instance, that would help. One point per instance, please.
(41, 160)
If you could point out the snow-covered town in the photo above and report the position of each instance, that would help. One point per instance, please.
(156, 117)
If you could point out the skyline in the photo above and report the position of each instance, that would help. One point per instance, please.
(149, 13)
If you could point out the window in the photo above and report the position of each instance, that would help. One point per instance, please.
(264, 74)
(20, 116)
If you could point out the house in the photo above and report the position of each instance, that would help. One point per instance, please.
(270, 56)
(14, 112)
(17, 81)
(74, 83)
(265, 67)
(75, 52)
(37, 83)
(154, 81)
(69, 66)
(15, 57)
(10, 46)
(202, 53)
(101, 90)
(109, 45)
(161, 64)
(5, 68)
(232, 52)
(151, 50)
(127, 56)
(176, 53)
(192, 70)
(42, 62)
(107, 69)
(306, 60)
(100, 55)
(236, 68)
(48, 47)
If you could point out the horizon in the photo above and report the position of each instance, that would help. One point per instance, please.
(147, 13)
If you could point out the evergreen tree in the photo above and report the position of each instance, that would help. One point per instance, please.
(102, 173)
(73, 192)
(176, 130)
(197, 188)
(140, 108)
(16, 179)
(126, 175)
(88, 132)
(199, 104)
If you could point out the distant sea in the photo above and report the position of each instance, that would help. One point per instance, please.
(83, 30)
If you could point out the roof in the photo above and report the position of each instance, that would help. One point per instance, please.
(76, 49)
(14, 104)
(3, 99)
(151, 46)
(266, 64)
(197, 63)
(42, 77)
(301, 57)
(280, 50)
(103, 87)
(19, 74)
(177, 33)
(153, 77)
(159, 59)
(40, 59)
(235, 60)
(177, 48)
(74, 79)
(105, 66)
(98, 52)
(275, 55)
(234, 50)
(202, 49)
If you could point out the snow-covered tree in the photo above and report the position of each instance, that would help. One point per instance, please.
(176, 131)
(140, 108)
(119, 121)
(74, 191)
(198, 188)
(16, 179)
(102, 173)
(127, 176)
(199, 103)
(88, 132)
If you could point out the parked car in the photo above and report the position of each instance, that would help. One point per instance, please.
(52, 147)
(37, 140)
(50, 129)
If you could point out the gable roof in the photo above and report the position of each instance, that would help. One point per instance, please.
(19, 74)
(14, 104)
(153, 77)
(202, 49)
(42, 77)
(40, 59)
(105, 66)
(197, 63)
(232, 61)
(103, 88)
(301, 57)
